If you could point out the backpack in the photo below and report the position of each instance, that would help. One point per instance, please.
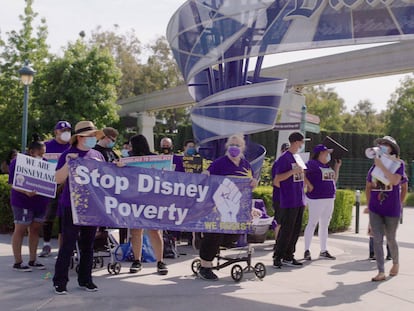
(170, 249)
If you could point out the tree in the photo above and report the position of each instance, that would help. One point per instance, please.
(326, 104)
(400, 117)
(364, 119)
(25, 44)
(79, 86)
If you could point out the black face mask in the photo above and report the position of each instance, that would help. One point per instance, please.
(166, 150)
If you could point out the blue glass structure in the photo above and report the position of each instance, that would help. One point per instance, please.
(215, 42)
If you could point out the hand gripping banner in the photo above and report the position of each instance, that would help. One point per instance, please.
(216, 41)
(103, 194)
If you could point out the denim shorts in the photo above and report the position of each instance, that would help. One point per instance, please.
(25, 216)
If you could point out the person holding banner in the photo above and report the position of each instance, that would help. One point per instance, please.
(140, 147)
(29, 211)
(320, 197)
(54, 148)
(232, 164)
(384, 204)
(82, 143)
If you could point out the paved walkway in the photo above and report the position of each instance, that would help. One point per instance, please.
(343, 284)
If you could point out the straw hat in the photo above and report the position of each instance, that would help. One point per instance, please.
(86, 128)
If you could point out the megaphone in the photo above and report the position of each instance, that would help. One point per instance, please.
(373, 152)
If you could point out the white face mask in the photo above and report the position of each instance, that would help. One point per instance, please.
(65, 136)
(328, 157)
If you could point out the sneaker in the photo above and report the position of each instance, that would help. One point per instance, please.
(277, 264)
(326, 255)
(60, 289)
(292, 263)
(207, 274)
(307, 255)
(21, 267)
(89, 287)
(45, 251)
(162, 268)
(135, 267)
(388, 257)
(37, 265)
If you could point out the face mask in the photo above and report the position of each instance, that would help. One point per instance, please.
(384, 149)
(328, 158)
(125, 153)
(191, 151)
(65, 136)
(90, 142)
(166, 150)
(111, 144)
(234, 151)
(302, 148)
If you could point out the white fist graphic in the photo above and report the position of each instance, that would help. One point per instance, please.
(227, 199)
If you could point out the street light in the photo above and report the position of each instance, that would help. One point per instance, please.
(26, 76)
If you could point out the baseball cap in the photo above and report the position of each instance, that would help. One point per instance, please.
(320, 148)
(63, 125)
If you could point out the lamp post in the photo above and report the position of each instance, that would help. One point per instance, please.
(26, 76)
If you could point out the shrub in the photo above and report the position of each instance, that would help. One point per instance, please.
(409, 200)
(6, 214)
(341, 216)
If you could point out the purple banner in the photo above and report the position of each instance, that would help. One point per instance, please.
(103, 194)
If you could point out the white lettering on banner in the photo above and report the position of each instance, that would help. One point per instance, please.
(84, 177)
(175, 214)
(147, 183)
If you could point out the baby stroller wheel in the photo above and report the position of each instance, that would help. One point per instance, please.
(116, 268)
(237, 273)
(94, 264)
(195, 266)
(260, 270)
(109, 268)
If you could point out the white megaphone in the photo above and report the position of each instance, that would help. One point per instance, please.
(373, 152)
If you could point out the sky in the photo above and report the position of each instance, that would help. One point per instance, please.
(149, 19)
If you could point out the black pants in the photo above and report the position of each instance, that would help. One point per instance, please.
(85, 235)
(211, 242)
(290, 226)
(49, 219)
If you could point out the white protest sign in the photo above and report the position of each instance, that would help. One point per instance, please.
(33, 174)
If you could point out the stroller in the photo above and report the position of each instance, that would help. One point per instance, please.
(260, 228)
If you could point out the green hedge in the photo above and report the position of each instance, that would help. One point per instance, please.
(6, 214)
(341, 216)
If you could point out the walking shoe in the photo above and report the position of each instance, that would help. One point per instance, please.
(326, 255)
(292, 263)
(307, 255)
(207, 274)
(135, 267)
(388, 257)
(60, 289)
(162, 268)
(21, 267)
(89, 287)
(45, 251)
(277, 263)
(37, 265)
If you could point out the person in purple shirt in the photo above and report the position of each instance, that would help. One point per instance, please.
(54, 148)
(289, 177)
(29, 211)
(384, 204)
(82, 143)
(232, 164)
(276, 194)
(320, 196)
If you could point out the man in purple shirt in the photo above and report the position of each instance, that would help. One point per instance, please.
(289, 177)
(54, 148)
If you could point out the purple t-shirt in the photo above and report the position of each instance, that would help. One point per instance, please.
(64, 200)
(21, 200)
(385, 200)
(226, 167)
(178, 163)
(291, 189)
(276, 190)
(54, 149)
(322, 177)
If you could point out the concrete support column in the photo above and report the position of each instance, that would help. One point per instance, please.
(146, 123)
(291, 107)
